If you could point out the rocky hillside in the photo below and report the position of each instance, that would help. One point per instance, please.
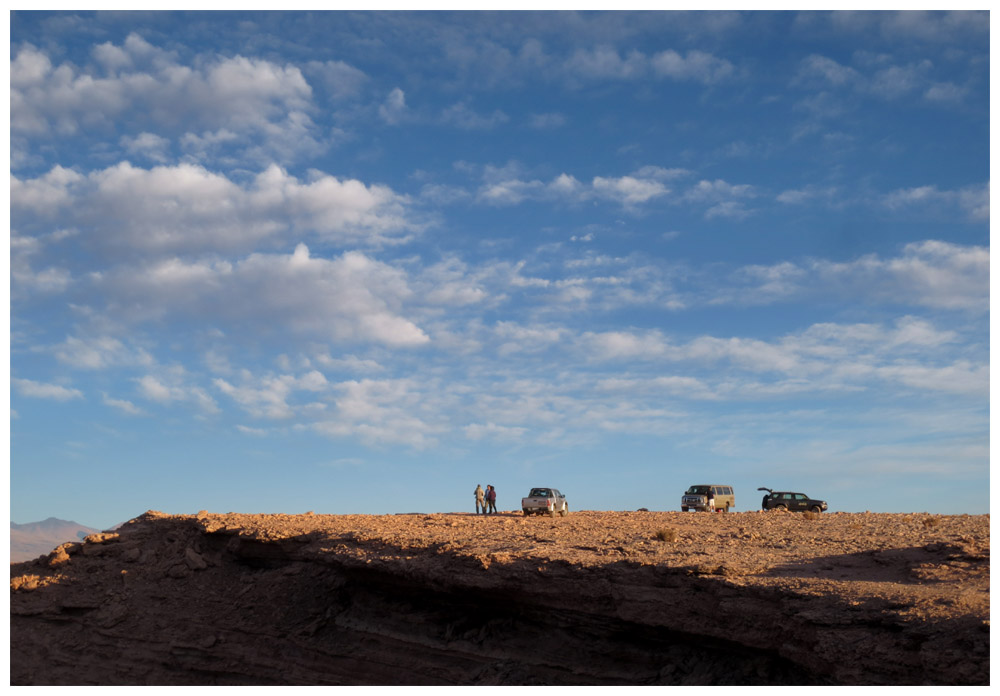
(594, 598)
(35, 539)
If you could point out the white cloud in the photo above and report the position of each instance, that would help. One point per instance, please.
(696, 65)
(462, 115)
(347, 298)
(99, 353)
(41, 390)
(929, 274)
(267, 397)
(629, 190)
(385, 412)
(971, 200)
(187, 208)
(718, 191)
(154, 389)
(492, 431)
(507, 186)
(122, 405)
(604, 62)
(148, 145)
(548, 120)
(341, 80)
(393, 109)
(822, 357)
(136, 82)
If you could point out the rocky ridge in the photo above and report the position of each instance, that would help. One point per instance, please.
(593, 598)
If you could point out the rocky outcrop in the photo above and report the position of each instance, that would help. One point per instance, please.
(595, 598)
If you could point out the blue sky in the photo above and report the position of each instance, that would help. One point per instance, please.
(361, 262)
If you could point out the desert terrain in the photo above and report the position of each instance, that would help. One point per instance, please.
(597, 598)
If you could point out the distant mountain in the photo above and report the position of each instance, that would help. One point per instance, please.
(34, 539)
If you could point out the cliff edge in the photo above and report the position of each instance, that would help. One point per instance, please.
(593, 598)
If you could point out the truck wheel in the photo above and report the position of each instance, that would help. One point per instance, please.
(565, 510)
(684, 509)
(780, 507)
(552, 513)
(816, 508)
(525, 512)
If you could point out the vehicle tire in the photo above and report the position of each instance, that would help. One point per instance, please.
(780, 507)
(565, 510)
(816, 508)
(526, 513)
(552, 513)
(684, 509)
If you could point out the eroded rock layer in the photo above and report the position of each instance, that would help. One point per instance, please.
(595, 598)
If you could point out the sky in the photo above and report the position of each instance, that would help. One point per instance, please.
(360, 262)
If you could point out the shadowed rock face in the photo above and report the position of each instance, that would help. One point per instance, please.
(593, 598)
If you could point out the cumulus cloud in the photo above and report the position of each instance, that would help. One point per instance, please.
(137, 83)
(189, 209)
(507, 186)
(605, 63)
(148, 145)
(347, 298)
(629, 190)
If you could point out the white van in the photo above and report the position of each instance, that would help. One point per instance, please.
(697, 497)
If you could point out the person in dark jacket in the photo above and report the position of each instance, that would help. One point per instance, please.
(491, 498)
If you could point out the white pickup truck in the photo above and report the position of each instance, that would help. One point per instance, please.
(545, 500)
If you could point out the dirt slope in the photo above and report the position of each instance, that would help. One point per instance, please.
(593, 598)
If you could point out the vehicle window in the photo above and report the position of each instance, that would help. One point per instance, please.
(729, 490)
(786, 496)
(800, 496)
(774, 496)
(539, 493)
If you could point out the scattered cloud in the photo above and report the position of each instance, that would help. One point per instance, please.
(41, 390)
(393, 109)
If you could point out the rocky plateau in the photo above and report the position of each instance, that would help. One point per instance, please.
(594, 598)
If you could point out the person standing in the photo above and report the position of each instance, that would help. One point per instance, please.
(480, 500)
(491, 497)
(711, 499)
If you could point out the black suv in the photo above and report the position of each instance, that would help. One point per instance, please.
(785, 500)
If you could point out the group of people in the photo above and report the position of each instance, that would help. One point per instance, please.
(486, 501)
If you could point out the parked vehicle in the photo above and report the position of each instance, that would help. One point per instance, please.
(696, 498)
(545, 500)
(787, 500)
